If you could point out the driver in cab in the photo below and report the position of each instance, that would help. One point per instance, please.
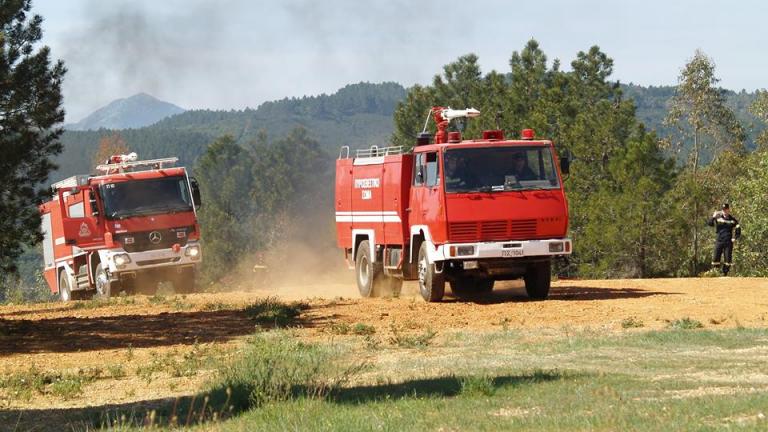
(519, 167)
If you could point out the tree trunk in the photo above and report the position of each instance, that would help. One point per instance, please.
(695, 218)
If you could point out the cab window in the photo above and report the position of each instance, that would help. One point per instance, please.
(432, 170)
(418, 170)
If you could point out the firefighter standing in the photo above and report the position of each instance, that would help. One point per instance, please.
(728, 230)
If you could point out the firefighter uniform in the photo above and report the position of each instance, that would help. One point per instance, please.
(727, 231)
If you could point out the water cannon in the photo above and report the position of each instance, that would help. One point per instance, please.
(443, 116)
(116, 159)
(450, 114)
(129, 162)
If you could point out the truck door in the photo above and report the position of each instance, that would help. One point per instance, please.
(426, 200)
(81, 227)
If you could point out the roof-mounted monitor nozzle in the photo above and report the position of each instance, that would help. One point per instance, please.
(443, 117)
(127, 163)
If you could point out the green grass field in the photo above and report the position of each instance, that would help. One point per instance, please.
(552, 380)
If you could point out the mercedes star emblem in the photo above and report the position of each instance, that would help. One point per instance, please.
(155, 237)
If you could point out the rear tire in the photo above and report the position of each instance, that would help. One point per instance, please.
(369, 274)
(431, 283)
(65, 292)
(537, 280)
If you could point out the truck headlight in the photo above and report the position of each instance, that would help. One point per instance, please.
(465, 250)
(193, 252)
(121, 259)
(556, 247)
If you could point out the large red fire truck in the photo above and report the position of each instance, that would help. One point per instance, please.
(126, 228)
(466, 212)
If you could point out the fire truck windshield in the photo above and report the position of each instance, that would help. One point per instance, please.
(495, 169)
(146, 197)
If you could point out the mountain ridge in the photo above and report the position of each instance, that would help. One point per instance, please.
(133, 112)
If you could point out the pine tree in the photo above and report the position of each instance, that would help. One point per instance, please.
(30, 110)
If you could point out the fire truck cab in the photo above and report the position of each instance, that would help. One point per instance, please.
(127, 228)
(465, 212)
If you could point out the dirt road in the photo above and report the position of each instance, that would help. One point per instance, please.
(137, 331)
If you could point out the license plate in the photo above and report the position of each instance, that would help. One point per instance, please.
(509, 253)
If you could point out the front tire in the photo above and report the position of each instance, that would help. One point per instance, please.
(103, 285)
(369, 274)
(537, 280)
(431, 283)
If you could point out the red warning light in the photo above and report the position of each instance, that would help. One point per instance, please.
(528, 134)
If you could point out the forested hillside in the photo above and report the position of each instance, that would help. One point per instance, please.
(653, 106)
(358, 115)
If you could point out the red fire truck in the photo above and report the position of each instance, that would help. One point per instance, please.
(126, 228)
(466, 212)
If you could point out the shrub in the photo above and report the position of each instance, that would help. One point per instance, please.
(274, 368)
(271, 311)
(685, 324)
(631, 322)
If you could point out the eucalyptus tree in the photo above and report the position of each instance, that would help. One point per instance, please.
(705, 123)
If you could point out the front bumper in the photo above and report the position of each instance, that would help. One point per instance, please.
(506, 249)
(154, 259)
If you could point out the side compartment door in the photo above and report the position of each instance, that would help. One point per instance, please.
(343, 205)
(85, 232)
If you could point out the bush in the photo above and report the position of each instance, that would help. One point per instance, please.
(631, 322)
(271, 311)
(685, 324)
(274, 368)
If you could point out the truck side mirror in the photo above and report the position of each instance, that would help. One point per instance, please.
(196, 200)
(420, 176)
(565, 165)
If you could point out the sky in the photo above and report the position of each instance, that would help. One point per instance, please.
(233, 54)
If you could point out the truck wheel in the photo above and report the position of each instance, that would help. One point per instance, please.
(103, 284)
(431, 283)
(65, 292)
(537, 280)
(184, 282)
(370, 274)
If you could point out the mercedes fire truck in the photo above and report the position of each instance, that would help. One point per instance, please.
(126, 228)
(463, 212)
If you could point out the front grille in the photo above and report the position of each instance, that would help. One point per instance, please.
(522, 229)
(141, 240)
(494, 230)
(157, 261)
(462, 231)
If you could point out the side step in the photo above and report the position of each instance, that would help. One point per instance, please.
(81, 281)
